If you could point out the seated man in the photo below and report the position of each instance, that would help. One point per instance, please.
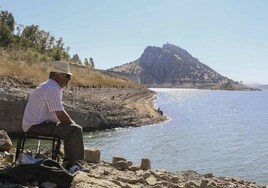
(45, 114)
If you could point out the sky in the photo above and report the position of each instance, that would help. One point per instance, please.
(230, 36)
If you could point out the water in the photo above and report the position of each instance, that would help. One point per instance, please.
(223, 132)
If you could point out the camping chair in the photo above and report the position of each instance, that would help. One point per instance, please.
(55, 141)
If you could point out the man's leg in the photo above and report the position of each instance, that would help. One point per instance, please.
(45, 128)
(72, 136)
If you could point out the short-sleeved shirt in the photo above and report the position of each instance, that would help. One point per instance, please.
(44, 101)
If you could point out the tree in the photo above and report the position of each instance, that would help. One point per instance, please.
(91, 63)
(86, 62)
(30, 33)
(76, 59)
(6, 28)
(31, 37)
(8, 20)
(57, 55)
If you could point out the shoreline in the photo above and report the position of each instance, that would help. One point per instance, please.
(94, 108)
(107, 108)
(121, 173)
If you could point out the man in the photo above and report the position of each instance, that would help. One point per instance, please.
(45, 114)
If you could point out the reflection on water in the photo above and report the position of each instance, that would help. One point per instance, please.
(223, 132)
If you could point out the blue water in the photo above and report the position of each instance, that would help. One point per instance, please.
(223, 132)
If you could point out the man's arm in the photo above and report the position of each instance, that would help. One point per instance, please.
(64, 117)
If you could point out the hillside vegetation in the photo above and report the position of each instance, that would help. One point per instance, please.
(26, 52)
(30, 67)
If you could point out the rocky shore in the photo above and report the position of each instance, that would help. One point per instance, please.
(94, 108)
(104, 108)
(120, 173)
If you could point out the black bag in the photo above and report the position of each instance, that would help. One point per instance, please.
(43, 171)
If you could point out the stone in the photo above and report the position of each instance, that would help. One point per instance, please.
(146, 175)
(175, 179)
(92, 155)
(151, 180)
(145, 164)
(165, 177)
(130, 163)
(115, 159)
(134, 168)
(194, 183)
(122, 165)
(5, 141)
(208, 175)
(157, 186)
(204, 184)
(119, 183)
(9, 157)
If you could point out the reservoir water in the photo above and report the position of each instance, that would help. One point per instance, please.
(223, 132)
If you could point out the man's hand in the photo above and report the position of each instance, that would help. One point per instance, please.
(64, 117)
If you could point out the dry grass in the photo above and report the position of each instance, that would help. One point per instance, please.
(38, 72)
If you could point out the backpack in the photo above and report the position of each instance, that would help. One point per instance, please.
(46, 170)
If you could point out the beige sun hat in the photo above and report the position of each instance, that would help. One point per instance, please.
(61, 67)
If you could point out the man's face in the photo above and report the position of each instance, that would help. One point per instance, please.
(63, 79)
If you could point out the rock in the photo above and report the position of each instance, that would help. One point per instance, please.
(5, 141)
(175, 179)
(165, 177)
(129, 163)
(134, 168)
(9, 157)
(157, 186)
(194, 184)
(119, 183)
(204, 184)
(92, 155)
(122, 165)
(151, 180)
(146, 175)
(208, 175)
(115, 159)
(104, 174)
(84, 181)
(145, 164)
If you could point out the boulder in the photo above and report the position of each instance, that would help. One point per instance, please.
(92, 155)
(122, 165)
(5, 141)
(115, 159)
(145, 164)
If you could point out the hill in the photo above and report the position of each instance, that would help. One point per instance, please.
(262, 86)
(172, 66)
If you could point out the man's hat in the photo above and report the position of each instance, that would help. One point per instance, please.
(61, 67)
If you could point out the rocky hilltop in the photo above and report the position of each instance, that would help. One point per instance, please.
(172, 66)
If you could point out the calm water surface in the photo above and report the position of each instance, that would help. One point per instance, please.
(223, 132)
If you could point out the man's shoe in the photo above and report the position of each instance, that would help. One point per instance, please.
(74, 169)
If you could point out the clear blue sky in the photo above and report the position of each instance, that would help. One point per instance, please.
(230, 36)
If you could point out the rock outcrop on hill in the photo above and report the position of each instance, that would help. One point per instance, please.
(172, 66)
